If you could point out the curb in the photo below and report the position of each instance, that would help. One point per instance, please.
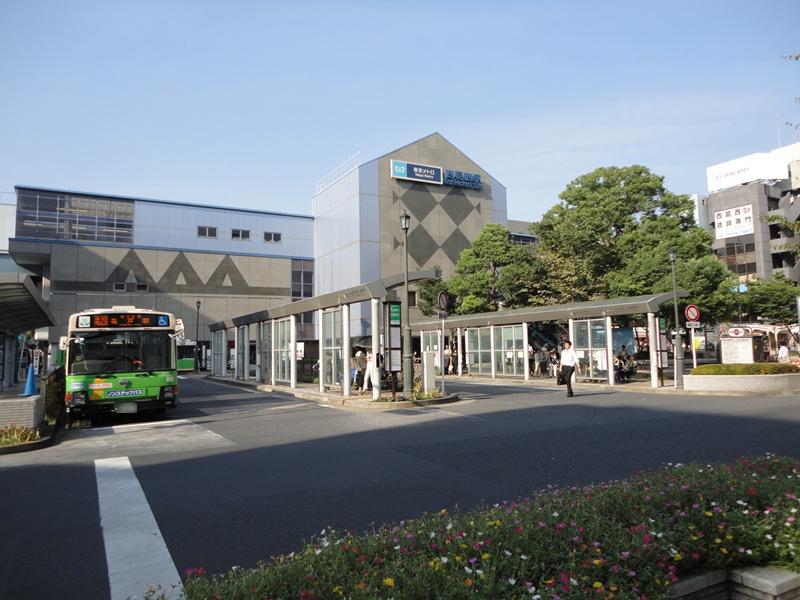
(44, 442)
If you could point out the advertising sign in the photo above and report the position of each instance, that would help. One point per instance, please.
(737, 350)
(735, 221)
(414, 172)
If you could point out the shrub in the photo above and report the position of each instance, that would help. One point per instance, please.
(753, 369)
(628, 539)
(11, 435)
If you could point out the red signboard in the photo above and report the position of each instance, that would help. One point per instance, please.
(692, 313)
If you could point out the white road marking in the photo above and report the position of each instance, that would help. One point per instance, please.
(290, 406)
(182, 377)
(136, 554)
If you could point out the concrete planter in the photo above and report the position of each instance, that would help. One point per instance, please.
(746, 583)
(23, 411)
(743, 384)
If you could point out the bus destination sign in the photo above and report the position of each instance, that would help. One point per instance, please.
(122, 320)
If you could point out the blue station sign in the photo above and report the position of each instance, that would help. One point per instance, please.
(461, 179)
(415, 172)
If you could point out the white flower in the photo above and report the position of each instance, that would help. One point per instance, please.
(512, 581)
(478, 572)
(397, 547)
(555, 514)
(507, 552)
(769, 537)
(449, 526)
(468, 570)
(573, 581)
(444, 559)
(318, 550)
(524, 556)
(433, 534)
(326, 543)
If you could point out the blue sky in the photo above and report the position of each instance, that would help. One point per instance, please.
(248, 103)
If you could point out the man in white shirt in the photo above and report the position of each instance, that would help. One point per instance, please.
(569, 363)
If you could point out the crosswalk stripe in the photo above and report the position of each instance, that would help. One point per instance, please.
(136, 554)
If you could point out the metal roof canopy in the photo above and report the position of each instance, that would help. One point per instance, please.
(377, 288)
(557, 312)
(21, 304)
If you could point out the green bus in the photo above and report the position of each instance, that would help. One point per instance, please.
(186, 355)
(120, 360)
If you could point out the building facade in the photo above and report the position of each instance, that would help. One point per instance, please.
(94, 250)
(357, 234)
(744, 194)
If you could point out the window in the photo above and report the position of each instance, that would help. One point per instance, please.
(412, 298)
(204, 231)
(276, 237)
(141, 287)
(240, 234)
(119, 287)
(272, 236)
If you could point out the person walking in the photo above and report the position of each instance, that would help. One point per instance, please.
(569, 364)
(368, 379)
(361, 367)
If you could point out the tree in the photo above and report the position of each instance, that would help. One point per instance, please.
(476, 282)
(773, 299)
(598, 210)
(428, 297)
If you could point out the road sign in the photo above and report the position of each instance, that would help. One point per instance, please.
(694, 325)
(692, 313)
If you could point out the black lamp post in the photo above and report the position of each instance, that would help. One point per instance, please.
(678, 337)
(408, 367)
(197, 340)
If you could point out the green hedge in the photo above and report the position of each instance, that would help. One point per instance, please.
(625, 540)
(754, 369)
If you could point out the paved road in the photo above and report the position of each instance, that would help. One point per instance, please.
(235, 476)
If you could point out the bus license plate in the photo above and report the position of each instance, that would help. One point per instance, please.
(127, 408)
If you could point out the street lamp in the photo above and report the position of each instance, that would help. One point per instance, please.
(408, 367)
(197, 340)
(678, 338)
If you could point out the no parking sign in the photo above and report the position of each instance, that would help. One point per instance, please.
(692, 313)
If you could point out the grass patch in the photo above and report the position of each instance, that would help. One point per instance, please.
(624, 540)
(753, 369)
(11, 435)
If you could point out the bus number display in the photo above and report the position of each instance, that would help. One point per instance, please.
(122, 320)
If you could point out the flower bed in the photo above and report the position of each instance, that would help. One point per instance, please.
(746, 369)
(628, 539)
(12, 435)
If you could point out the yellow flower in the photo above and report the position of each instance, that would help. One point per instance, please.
(463, 546)
(708, 513)
(443, 511)
(388, 582)
(597, 562)
(597, 585)
(338, 590)
(723, 550)
(458, 558)
(717, 541)
(677, 557)
(485, 556)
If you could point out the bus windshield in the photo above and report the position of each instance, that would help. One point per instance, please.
(120, 352)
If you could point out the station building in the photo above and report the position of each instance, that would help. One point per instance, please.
(92, 249)
(743, 194)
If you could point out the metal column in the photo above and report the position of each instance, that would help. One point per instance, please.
(652, 345)
(293, 351)
(610, 351)
(346, 350)
(571, 326)
(491, 346)
(272, 352)
(375, 377)
(320, 362)
(526, 360)
(460, 354)
(245, 352)
(236, 361)
(259, 352)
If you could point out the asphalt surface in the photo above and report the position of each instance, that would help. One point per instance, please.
(235, 476)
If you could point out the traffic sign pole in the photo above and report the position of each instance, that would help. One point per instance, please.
(694, 349)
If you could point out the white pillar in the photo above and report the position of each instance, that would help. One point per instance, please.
(224, 355)
(491, 347)
(246, 354)
(610, 352)
(321, 363)
(293, 351)
(652, 344)
(236, 347)
(259, 352)
(460, 354)
(272, 352)
(375, 329)
(346, 350)
(525, 361)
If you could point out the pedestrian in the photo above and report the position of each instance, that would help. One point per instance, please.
(361, 367)
(369, 374)
(569, 364)
(532, 366)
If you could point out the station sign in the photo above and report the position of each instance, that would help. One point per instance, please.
(416, 172)
(401, 169)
